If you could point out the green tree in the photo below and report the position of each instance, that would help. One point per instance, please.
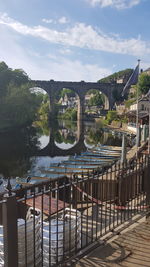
(70, 114)
(96, 100)
(144, 83)
(5, 78)
(68, 92)
(43, 111)
(111, 115)
(18, 105)
(123, 74)
(129, 102)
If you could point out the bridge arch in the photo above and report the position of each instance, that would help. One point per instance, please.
(80, 88)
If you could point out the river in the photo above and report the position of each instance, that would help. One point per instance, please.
(24, 151)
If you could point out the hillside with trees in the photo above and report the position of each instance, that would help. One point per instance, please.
(123, 74)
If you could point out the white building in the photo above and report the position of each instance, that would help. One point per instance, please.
(143, 104)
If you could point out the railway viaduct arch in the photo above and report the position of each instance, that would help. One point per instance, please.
(80, 88)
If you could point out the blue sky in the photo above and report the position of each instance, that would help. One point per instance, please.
(74, 39)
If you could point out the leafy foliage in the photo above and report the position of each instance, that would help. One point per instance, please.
(111, 115)
(125, 74)
(144, 83)
(95, 136)
(69, 139)
(129, 102)
(18, 106)
(43, 111)
(70, 114)
(96, 100)
(68, 92)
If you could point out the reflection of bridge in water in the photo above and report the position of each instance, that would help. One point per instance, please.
(53, 150)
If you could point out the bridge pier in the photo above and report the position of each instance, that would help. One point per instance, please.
(51, 106)
(105, 137)
(80, 112)
(80, 130)
(106, 106)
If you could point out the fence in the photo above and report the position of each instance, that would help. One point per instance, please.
(49, 223)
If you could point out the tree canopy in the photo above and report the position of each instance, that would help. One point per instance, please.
(97, 99)
(68, 92)
(111, 115)
(123, 74)
(144, 83)
(18, 105)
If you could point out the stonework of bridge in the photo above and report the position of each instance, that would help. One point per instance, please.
(81, 89)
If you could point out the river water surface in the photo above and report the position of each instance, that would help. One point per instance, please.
(24, 151)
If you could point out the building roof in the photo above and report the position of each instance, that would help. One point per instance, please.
(147, 70)
(144, 98)
(141, 114)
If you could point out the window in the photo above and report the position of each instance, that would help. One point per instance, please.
(142, 107)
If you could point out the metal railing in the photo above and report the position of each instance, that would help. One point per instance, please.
(49, 223)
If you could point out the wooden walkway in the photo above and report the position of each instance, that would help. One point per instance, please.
(130, 249)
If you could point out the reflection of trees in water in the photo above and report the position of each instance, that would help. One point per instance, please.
(16, 148)
(43, 127)
(65, 132)
(70, 125)
(66, 137)
(113, 140)
(95, 136)
(100, 136)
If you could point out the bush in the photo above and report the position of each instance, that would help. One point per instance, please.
(70, 114)
(111, 115)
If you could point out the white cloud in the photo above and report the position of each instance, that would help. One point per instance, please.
(47, 20)
(118, 4)
(65, 51)
(63, 20)
(145, 64)
(82, 36)
(48, 67)
(77, 71)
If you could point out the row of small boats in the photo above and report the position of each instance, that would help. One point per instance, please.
(89, 161)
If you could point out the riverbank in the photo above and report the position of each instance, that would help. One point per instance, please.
(132, 153)
(116, 126)
(120, 129)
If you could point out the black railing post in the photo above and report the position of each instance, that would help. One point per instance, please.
(148, 188)
(10, 230)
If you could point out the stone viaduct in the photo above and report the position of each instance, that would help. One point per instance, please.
(80, 88)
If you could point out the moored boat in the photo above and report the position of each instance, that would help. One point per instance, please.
(110, 148)
(91, 157)
(87, 162)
